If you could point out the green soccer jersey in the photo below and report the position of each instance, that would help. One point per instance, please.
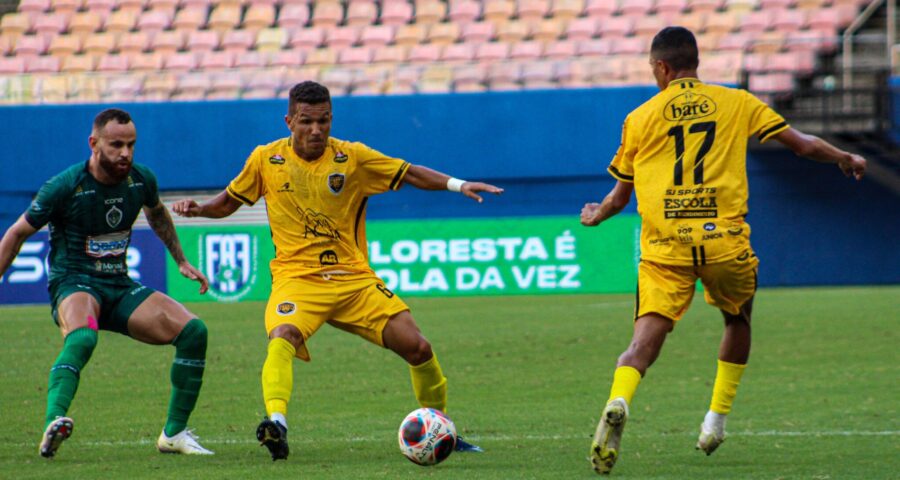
(90, 223)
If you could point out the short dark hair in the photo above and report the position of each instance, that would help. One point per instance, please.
(120, 116)
(307, 92)
(677, 47)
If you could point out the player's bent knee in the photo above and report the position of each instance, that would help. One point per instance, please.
(194, 335)
(421, 353)
(288, 332)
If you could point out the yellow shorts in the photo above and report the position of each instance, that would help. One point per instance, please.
(358, 303)
(669, 289)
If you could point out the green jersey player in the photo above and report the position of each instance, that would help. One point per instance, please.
(90, 208)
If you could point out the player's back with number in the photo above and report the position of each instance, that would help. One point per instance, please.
(685, 151)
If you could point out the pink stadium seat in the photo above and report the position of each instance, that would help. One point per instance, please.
(480, 32)
(671, 7)
(504, 76)
(804, 40)
(224, 18)
(293, 16)
(337, 80)
(648, 26)
(321, 56)
(34, 6)
(403, 80)
(582, 29)
(756, 22)
(144, 62)
(327, 14)
(377, 35)
(190, 18)
(705, 6)
(411, 34)
(492, 52)
(237, 41)
(101, 7)
(67, 7)
(15, 24)
(202, 40)
(390, 54)
(589, 48)
(250, 60)
(226, 85)
(271, 39)
(193, 85)
(50, 25)
(570, 74)
(513, 31)
(716, 66)
(77, 63)
(529, 50)
(826, 18)
(469, 78)
(497, 11)
(616, 27)
(735, 41)
(465, 11)
(83, 24)
(361, 14)
(131, 5)
(771, 83)
(600, 8)
(355, 56)
(121, 21)
(561, 50)
(134, 42)
(180, 62)
(287, 58)
(397, 14)
(217, 60)
(64, 46)
(259, 16)
(538, 75)
(168, 42)
(796, 62)
(548, 30)
(775, 4)
(428, 12)
(262, 81)
(308, 38)
(631, 46)
(768, 42)
(721, 23)
(458, 52)
(426, 53)
(567, 9)
(123, 87)
(30, 46)
(12, 65)
(112, 63)
(788, 20)
(444, 33)
(532, 10)
(197, 3)
(755, 62)
(339, 38)
(636, 8)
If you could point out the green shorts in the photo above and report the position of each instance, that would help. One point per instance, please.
(118, 297)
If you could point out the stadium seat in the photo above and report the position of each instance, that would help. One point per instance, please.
(538, 75)
(113, 63)
(163, 5)
(339, 38)
(123, 87)
(355, 56)
(51, 89)
(469, 78)
(771, 83)
(259, 16)
(504, 76)
(84, 87)
(64, 46)
(795, 62)
(371, 81)
(512, 31)
(180, 62)
(567, 9)
(327, 14)
(492, 52)
(134, 42)
(12, 65)
(251, 60)
(699, 7)
(203, 40)
(237, 41)
(435, 79)
(768, 42)
(337, 80)
(50, 25)
(497, 11)
(590, 48)
(527, 50)
(403, 80)
(741, 6)
(390, 54)
(824, 19)
(205, 4)
(789, 20)
(192, 85)
(168, 42)
(532, 10)
(293, 16)
(548, 30)
(361, 14)
(190, 18)
(100, 7)
(570, 74)
(600, 8)
(307, 38)
(581, 29)
(287, 58)
(804, 40)
(66, 7)
(15, 24)
(217, 60)
(671, 7)
(409, 35)
(775, 4)
(6, 44)
(153, 21)
(376, 35)
(321, 56)
(83, 24)
(631, 46)
(479, 32)
(648, 26)
(755, 62)
(224, 18)
(225, 85)
(34, 6)
(42, 64)
(30, 46)
(262, 84)
(561, 50)
(134, 6)
(720, 23)
(427, 12)
(636, 8)
(271, 39)
(145, 62)
(121, 21)
(734, 42)
(756, 22)
(158, 86)
(458, 52)
(444, 33)
(394, 14)
(616, 27)
(464, 11)
(721, 67)
(426, 53)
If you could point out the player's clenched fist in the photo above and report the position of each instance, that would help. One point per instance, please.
(590, 214)
(186, 208)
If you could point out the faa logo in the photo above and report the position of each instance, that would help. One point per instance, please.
(229, 261)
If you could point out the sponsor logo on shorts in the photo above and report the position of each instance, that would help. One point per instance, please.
(328, 257)
(709, 226)
(286, 308)
(109, 245)
(336, 182)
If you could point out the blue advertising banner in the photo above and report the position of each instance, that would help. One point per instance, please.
(26, 280)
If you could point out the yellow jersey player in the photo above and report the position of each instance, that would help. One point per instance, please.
(316, 189)
(683, 153)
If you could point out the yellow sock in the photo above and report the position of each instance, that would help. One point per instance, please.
(278, 375)
(625, 382)
(429, 384)
(728, 376)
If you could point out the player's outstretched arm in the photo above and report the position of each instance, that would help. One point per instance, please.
(592, 214)
(220, 206)
(428, 179)
(814, 148)
(161, 223)
(12, 241)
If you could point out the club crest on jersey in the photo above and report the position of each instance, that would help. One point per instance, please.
(336, 182)
(286, 308)
(340, 157)
(114, 216)
(276, 160)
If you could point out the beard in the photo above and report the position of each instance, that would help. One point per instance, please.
(115, 169)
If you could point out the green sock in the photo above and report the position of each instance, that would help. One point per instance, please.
(64, 375)
(187, 374)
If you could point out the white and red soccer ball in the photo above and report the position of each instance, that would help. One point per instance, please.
(427, 436)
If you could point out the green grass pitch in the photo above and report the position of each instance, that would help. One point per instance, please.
(528, 377)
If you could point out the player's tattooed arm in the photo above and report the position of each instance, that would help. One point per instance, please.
(161, 223)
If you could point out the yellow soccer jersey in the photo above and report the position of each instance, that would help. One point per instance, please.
(317, 209)
(685, 150)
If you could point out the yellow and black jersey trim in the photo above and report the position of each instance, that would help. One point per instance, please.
(401, 172)
(768, 133)
(619, 175)
(238, 197)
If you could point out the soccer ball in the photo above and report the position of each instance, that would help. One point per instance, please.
(427, 436)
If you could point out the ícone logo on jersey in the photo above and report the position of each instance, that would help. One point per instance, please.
(229, 260)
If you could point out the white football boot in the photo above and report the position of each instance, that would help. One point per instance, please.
(712, 433)
(58, 430)
(184, 442)
(605, 448)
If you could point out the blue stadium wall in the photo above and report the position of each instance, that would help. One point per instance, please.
(549, 149)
